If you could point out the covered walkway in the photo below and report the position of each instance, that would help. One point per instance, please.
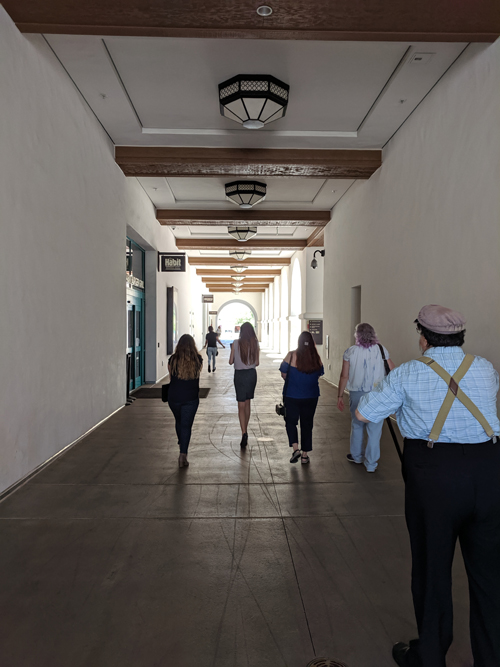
(113, 556)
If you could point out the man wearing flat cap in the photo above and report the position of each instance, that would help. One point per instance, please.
(445, 404)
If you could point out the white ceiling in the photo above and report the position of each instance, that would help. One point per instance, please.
(208, 193)
(172, 83)
(164, 92)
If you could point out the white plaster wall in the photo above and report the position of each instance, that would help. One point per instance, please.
(425, 228)
(65, 211)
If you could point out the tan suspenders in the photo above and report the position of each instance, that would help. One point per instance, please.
(454, 391)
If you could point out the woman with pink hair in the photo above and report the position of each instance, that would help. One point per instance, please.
(362, 370)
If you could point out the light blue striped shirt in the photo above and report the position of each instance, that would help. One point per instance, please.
(415, 393)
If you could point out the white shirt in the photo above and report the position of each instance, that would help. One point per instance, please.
(238, 364)
(366, 367)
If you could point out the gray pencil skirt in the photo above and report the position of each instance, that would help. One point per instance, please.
(244, 383)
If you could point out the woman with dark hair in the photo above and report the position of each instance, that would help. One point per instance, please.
(301, 370)
(362, 370)
(245, 357)
(183, 395)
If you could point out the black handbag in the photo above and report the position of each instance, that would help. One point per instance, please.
(281, 409)
(164, 392)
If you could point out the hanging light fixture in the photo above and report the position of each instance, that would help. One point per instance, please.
(238, 269)
(237, 279)
(253, 100)
(245, 193)
(236, 290)
(242, 233)
(240, 255)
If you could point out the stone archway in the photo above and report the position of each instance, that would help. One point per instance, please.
(243, 303)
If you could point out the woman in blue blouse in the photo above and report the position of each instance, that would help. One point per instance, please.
(301, 370)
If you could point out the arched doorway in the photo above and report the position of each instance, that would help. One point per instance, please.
(231, 316)
(295, 304)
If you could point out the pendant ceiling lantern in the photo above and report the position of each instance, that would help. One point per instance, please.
(242, 233)
(237, 279)
(238, 269)
(236, 290)
(253, 100)
(245, 193)
(240, 255)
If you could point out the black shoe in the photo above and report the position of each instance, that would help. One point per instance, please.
(209, 369)
(244, 440)
(214, 369)
(348, 457)
(295, 456)
(403, 657)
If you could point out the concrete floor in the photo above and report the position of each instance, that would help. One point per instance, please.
(112, 556)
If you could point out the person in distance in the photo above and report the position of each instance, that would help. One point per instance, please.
(211, 341)
(301, 370)
(183, 396)
(245, 357)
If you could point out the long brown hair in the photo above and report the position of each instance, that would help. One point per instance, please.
(185, 362)
(248, 344)
(308, 359)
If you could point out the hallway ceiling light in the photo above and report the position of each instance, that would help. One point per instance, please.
(238, 269)
(236, 290)
(237, 279)
(245, 194)
(240, 254)
(253, 100)
(242, 233)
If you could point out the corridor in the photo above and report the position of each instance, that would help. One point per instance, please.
(113, 556)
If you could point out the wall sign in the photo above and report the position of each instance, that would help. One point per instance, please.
(207, 298)
(316, 330)
(212, 312)
(132, 281)
(173, 261)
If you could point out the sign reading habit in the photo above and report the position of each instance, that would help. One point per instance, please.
(316, 331)
(207, 298)
(174, 261)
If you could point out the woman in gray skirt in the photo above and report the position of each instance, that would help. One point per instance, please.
(245, 357)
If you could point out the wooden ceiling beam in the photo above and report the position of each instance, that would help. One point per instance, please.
(353, 20)
(224, 289)
(227, 279)
(247, 273)
(232, 244)
(229, 261)
(167, 161)
(259, 218)
(317, 238)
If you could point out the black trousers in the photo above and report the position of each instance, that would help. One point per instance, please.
(453, 492)
(184, 414)
(303, 409)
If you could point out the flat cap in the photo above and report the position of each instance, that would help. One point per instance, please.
(441, 320)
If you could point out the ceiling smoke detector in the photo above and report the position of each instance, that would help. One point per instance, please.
(264, 10)
(253, 100)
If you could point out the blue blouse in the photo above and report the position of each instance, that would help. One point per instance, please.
(301, 385)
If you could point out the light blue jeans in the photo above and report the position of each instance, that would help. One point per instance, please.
(211, 354)
(371, 453)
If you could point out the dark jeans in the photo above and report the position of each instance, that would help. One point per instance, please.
(184, 414)
(303, 409)
(453, 492)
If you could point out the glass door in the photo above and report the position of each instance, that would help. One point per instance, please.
(135, 339)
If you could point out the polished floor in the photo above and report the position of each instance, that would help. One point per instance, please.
(113, 556)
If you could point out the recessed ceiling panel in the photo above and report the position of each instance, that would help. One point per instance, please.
(188, 190)
(173, 82)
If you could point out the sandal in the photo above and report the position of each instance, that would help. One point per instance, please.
(304, 459)
(295, 456)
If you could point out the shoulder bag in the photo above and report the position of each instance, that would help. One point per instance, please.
(388, 420)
